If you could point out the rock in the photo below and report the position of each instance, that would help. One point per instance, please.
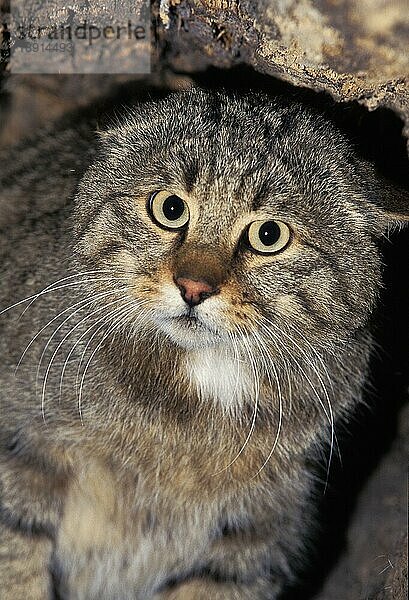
(354, 50)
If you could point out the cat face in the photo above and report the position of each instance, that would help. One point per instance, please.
(233, 219)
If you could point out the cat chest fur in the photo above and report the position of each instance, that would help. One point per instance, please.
(118, 542)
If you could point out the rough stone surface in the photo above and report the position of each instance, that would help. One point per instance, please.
(352, 49)
(374, 563)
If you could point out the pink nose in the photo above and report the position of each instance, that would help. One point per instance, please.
(194, 292)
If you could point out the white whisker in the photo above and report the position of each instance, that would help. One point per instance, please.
(62, 342)
(123, 312)
(264, 353)
(329, 414)
(48, 289)
(83, 301)
(133, 301)
(256, 396)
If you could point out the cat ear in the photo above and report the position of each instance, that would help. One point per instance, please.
(394, 202)
(391, 200)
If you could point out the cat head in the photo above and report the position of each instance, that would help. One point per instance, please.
(237, 219)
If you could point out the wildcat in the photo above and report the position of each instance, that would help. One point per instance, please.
(185, 317)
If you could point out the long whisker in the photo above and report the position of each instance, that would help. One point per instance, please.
(314, 351)
(329, 415)
(62, 342)
(264, 354)
(102, 321)
(254, 416)
(66, 285)
(78, 341)
(123, 313)
(326, 372)
(48, 289)
(88, 301)
(83, 301)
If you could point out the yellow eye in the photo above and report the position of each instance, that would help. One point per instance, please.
(268, 237)
(168, 210)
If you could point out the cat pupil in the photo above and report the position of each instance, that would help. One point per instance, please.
(173, 208)
(269, 233)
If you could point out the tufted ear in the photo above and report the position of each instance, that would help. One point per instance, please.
(394, 201)
(390, 199)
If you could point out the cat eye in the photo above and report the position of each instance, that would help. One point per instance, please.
(268, 237)
(168, 210)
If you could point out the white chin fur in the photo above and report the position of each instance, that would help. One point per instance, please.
(189, 338)
(213, 371)
(215, 374)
